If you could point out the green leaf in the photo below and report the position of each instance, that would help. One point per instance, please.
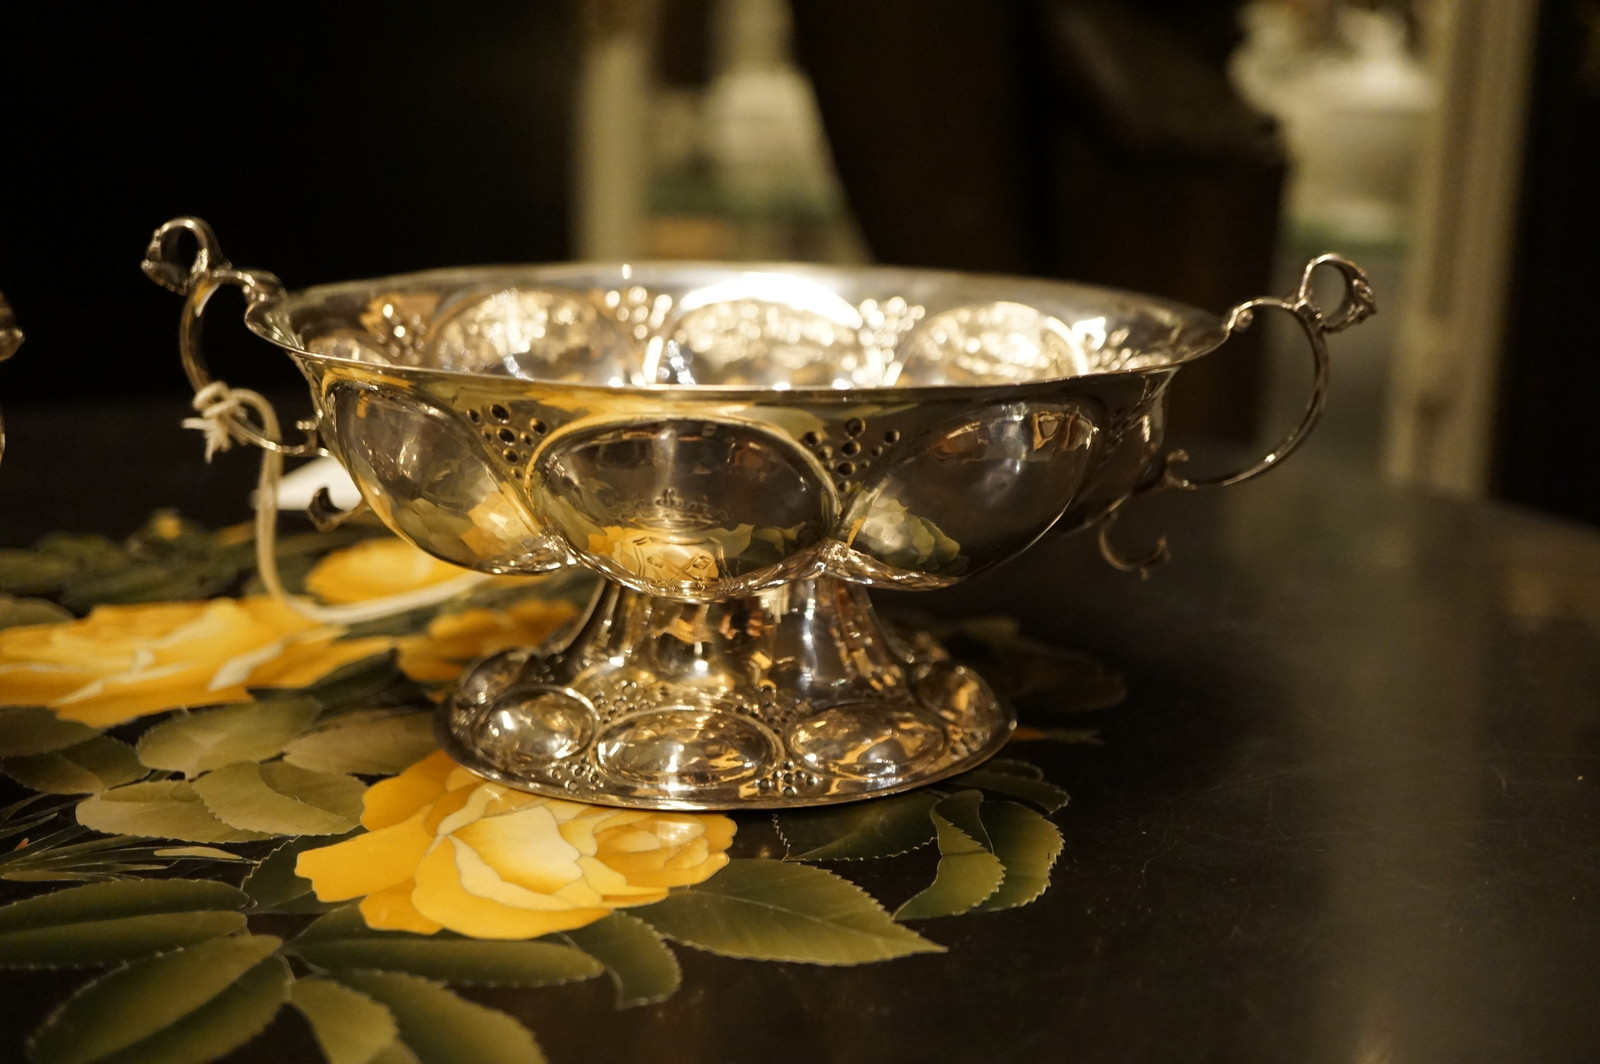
(97, 942)
(1046, 796)
(57, 855)
(441, 1027)
(280, 799)
(199, 853)
(1028, 845)
(883, 827)
(26, 730)
(368, 743)
(962, 810)
(273, 885)
(167, 535)
(31, 572)
(343, 940)
(967, 874)
(165, 809)
(89, 767)
(350, 1027)
(343, 923)
(1014, 767)
(80, 548)
(777, 911)
(166, 560)
(117, 921)
(18, 612)
(358, 683)
(103, 901)
(641, 967)
(395, 1053)
(192, 743)
(145, 581)
(178, 1008)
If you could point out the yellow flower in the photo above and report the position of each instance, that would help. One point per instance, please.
(445, 849)
(377, 568)
(455, 640)
(123, 662)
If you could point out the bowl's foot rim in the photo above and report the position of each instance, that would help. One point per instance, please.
(787, 699)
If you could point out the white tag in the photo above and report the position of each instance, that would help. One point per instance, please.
(297, 488)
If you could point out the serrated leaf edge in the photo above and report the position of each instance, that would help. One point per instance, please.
(806, 858)
(601, 968)
(1060, 848)
(73, 966)
(61, 751)
(1013, 796)
(259, 836)
(306, 1014)
(255, 903)
(931, 946)
(289, 797)
(437, 985)
(84, 988)
(981, 848)
(616, 982)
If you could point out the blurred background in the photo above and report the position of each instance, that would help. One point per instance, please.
(1201, 150)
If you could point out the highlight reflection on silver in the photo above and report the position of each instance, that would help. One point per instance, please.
(737, 450)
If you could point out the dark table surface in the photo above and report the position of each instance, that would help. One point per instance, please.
(1349, 811)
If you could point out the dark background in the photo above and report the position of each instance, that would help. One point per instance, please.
(1546, 446)
(323, 142)
(1089, 139)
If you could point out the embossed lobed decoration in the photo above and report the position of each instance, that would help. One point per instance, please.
(771, 328)
(737, 450)
(811, 421)
(726, 446)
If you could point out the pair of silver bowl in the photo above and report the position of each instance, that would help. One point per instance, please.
(739, 451)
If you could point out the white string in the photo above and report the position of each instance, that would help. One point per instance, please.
(220, 407)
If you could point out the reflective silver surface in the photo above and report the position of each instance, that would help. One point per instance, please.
(734, 448)
(788, 696)
(10, 340)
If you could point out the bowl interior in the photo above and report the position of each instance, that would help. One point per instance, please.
(734, 326)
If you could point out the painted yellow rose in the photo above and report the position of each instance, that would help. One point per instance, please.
(378, 568)
(456, 640)
(122, 662)
(445, 849)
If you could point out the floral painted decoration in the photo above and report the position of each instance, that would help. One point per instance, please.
(446, 849)
(224, 807)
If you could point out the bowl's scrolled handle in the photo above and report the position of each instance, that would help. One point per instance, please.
(229, 415)
(199, 277)
(1356, 304)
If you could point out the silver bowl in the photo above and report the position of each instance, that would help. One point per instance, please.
(739, 451)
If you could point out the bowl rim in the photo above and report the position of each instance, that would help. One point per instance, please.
(1201, 331)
